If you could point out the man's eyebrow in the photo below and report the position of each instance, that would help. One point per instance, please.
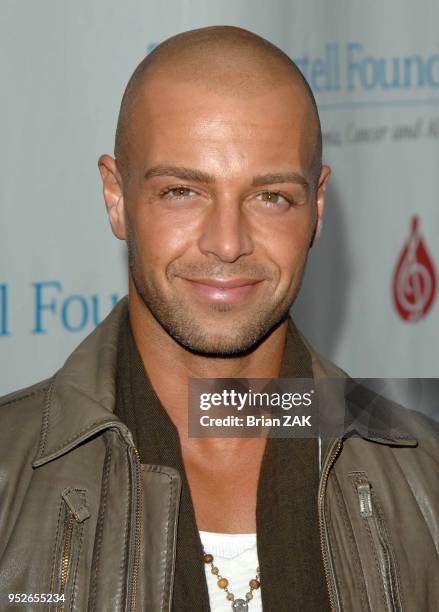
(189, 174)
(192, 174)
(287, 177)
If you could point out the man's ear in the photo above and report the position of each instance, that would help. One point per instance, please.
(113, 195)
(320, 201)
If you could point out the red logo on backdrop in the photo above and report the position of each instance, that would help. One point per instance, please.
(414, 281)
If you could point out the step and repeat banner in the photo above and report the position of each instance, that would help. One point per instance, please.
(369, 298)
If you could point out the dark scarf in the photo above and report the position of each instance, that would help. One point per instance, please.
(288, 542)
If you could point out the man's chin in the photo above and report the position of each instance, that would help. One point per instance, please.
(216, 347)
(235, 341)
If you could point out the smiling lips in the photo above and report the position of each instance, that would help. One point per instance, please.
(228, 291)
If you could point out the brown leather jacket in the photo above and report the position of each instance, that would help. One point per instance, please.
(81, 517)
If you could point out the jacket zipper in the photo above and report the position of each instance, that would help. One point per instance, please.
(324, 543)
(66, 554)
(380, 543)
(137, 502)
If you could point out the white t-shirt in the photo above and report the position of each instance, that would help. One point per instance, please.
(235, 555)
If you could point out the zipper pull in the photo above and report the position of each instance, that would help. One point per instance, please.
(76, 504)
(364, 496)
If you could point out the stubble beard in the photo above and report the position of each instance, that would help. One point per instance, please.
(175, 317)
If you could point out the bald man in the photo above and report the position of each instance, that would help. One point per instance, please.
(217, 187)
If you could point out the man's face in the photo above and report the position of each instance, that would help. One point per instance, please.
(217, 194)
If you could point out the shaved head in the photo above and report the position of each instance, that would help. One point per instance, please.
(229, 61)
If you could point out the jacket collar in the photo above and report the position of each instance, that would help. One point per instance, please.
(81, 399)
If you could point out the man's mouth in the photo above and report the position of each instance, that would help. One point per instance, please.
(221, 290)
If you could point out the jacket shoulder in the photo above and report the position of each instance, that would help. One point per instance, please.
(21, 417)
(27, 396)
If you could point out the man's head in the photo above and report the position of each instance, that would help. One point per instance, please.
(217, 177)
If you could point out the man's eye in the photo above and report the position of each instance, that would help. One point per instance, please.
(273, 198)
(177, 193)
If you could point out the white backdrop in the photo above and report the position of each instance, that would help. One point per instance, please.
(374, 67)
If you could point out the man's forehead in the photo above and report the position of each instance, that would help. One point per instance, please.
(184, 103)
(225, 132)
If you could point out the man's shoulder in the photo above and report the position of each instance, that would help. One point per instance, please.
(21, 420)
(24, 406)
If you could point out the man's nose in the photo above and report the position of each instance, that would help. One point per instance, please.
(226, 232)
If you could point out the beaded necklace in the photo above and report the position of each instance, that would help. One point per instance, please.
(238, 605)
